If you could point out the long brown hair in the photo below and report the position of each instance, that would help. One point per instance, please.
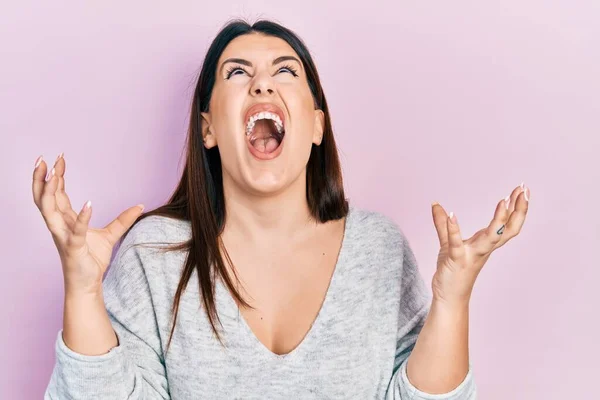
(199, 198)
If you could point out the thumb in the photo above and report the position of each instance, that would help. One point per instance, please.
(119, 226)
(440, 220)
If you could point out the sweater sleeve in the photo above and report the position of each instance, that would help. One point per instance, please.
(132, 370)
(415, 302)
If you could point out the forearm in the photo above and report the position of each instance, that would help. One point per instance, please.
(86, 327)
(439, 361)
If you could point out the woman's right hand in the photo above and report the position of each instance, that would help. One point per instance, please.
(84, 252)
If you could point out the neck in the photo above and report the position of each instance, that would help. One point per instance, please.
(276, 216)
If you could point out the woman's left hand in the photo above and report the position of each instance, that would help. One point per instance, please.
(460, 261)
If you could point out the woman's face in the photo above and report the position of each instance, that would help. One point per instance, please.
(261, 115)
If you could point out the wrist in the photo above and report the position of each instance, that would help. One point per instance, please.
(450, 307)
(75, 289)
(79, 295)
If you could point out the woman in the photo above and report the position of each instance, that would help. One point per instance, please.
(302, 295)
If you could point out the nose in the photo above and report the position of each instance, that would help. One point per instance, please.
(262, 84)
(258, 91)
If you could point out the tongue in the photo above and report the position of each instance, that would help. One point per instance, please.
(266, 146)
(264, 136)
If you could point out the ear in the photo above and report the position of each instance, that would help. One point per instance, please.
(210, 140)
(319, 127)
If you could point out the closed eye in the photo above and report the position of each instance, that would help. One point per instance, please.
(230, 71)
(291, 70)
(234, 71)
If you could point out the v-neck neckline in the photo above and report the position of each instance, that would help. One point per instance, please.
(249, 335)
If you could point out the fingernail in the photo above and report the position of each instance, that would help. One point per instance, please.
(87, 205)
(38, 162)
(522, 185)
(527, 194)
(453, 219)
(434, 203)
(141, 206)
(507, 201)
(53, 171)
(59, 157)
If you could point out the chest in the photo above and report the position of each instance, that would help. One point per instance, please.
(348, 353)
(286, 300)
(343, 347)
(286, 288)
(341, 356)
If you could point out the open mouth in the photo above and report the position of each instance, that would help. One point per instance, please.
(265, 132)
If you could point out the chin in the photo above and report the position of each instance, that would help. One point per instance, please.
(265, 177)
(266, 182)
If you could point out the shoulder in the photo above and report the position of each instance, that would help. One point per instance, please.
(380, 253)
(141, 257)
(157, 229)
(381, 238)
(150, 236)
(376, 229)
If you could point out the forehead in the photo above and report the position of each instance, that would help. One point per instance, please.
(257, 46)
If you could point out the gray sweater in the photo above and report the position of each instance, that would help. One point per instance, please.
(356, 348)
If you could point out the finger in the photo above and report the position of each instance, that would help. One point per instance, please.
(456, 248)
(39, 180)
(50, 212)
(493, 234)
(62, 199)
(81, 226)
(513, 196)
(439, 220)
(119, 226)
(506, 223)
(517, 217)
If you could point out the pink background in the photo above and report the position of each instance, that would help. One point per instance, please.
(450, 101)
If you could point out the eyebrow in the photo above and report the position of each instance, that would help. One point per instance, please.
(249, 64)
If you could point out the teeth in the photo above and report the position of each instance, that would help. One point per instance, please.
(264, 115)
